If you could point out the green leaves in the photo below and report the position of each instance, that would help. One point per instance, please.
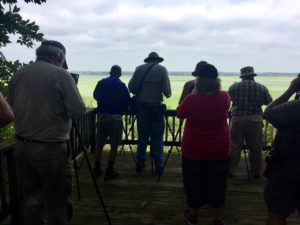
(12, 23)
(16, 9)
(27, 1)
(35, 1)
(7, 68)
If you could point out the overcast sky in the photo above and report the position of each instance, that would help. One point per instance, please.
(227, 33)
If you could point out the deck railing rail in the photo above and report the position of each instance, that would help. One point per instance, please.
(10, 196)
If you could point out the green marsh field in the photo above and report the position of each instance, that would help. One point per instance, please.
(276, 85)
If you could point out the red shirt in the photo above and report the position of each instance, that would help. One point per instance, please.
(206, 133)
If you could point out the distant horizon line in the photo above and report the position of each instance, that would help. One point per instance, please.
(182, 72)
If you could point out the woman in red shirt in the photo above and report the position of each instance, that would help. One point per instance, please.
(205, 145)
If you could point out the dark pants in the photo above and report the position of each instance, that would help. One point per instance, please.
(205, 181)
(282, 192)
(153, 129)
(45, 174)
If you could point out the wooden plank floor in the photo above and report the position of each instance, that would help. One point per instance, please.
(135, 199)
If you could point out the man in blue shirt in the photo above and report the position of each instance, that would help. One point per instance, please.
(113, 100)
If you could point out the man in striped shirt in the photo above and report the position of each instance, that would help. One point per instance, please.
(246, 124)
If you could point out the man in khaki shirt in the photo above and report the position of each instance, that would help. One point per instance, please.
(44, 98)
(150, 117)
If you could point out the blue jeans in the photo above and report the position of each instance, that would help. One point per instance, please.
(153, 129)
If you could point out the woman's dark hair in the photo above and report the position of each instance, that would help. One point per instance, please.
(207, 85)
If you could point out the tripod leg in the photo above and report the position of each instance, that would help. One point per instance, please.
(131, 131)
(91, 171)
(126, 137)
(246, 161)
(122, 150)
(178, 151)
(132, 154)
(165, 163)
(151, 155)
(79, 165)
(75, 168)
(170, 151)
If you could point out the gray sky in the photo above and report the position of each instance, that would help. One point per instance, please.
(227, 33)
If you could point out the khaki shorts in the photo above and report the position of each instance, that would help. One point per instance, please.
(109, 131)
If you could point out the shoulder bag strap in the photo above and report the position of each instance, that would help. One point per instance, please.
(143, 78)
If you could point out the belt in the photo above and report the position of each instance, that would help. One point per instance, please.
(19, 138)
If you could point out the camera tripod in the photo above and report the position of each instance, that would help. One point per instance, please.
(82, 146)
(170, 150)
(132, 117)
(127, 132)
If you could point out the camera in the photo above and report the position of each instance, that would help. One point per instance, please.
(75, 76)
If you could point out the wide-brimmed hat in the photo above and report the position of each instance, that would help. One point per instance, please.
(57, 45)
(115, 70)
(208, 71)
(247, 71)
(153, 56)
(198, 67)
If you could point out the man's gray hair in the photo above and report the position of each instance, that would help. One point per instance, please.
(49, 52)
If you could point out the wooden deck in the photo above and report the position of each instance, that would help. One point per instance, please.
(135, 199)
(139, 199)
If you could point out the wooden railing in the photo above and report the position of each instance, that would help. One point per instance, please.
(87, 129)
(9, 190)
(174, 130)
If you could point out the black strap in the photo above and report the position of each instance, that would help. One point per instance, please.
(143, 78)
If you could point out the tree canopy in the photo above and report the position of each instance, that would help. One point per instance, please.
(26, 31)
(12, 24)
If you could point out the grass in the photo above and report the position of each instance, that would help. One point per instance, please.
(275, 84)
